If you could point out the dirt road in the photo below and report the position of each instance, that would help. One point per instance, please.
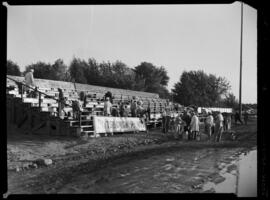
(123, 163)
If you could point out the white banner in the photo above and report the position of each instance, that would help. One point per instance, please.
(118, 124)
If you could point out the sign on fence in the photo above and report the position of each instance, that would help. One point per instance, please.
(118, 124)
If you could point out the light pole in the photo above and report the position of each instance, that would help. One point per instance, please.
(241, 44)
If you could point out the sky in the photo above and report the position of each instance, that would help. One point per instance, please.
(179, 37)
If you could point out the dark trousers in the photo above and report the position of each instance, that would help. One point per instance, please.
(238, 119)
(165, 124)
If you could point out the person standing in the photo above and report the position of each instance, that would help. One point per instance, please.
(148, 111)
(229, 121)
(29, 80)
(237, 118)
(107, 107)
(209, 121)
(167, 116)
(121, 109)
(133, 107)
(219, 127)
(76, 108)
(164, 120)
(61, 102)
(178, 126)
(108, 94)
(187, 119)
(194, 126)
(225, 125)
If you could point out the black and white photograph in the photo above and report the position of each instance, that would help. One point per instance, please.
(143, 98)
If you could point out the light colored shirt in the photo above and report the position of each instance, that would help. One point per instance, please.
(220, 120)
(194, 124)
(29, 78)
(107, 108)
(209, 120)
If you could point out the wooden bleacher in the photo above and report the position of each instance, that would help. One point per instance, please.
(29, 107)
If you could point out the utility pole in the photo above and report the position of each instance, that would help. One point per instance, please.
(241, 44)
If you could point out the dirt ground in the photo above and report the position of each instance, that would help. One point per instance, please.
(140, 162)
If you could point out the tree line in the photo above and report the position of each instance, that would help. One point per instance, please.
(145, 77)
(193, 88)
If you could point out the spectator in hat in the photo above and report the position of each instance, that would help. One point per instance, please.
(108, 94)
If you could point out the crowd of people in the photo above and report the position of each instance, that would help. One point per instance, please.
(184, 124)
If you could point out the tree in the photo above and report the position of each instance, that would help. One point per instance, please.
(150, 78)
(13, 68)
(92, 73)
(77, 70)
(123, 76)
(230, 101)
(41, 70)
(59, 71)
(198, 88)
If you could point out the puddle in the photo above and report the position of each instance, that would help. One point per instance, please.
(247, 182)
(242, 181)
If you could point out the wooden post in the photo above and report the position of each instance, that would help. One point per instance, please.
(80, 119)
(39, 101)
(22, 92)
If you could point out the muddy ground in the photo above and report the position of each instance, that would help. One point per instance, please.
(124, 163)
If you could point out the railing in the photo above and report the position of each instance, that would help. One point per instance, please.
(22, 85)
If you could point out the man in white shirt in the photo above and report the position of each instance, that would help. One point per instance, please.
(219, 127)
(209, 121)
(107, 107)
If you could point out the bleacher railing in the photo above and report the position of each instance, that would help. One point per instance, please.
(22, 85)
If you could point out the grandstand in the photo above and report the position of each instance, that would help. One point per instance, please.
(40, 114)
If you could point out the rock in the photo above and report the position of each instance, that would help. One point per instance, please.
(17, 169)
(43, 162)
(219, 179)
(33, 165)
